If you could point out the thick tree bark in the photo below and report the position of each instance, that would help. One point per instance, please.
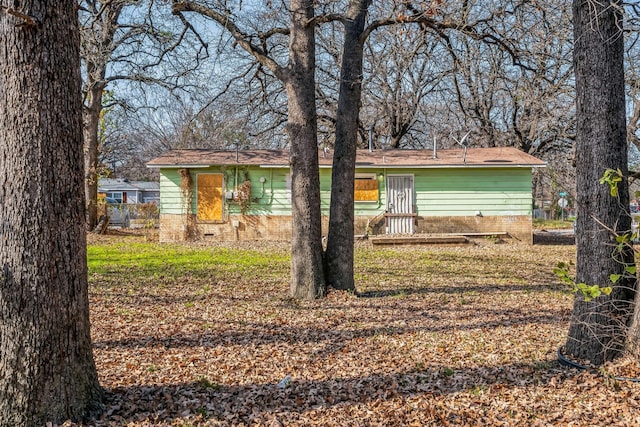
(307, 275)
(339, 253)
(47, 372)
(598, 328)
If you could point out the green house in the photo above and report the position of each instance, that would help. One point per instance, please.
(246, 194)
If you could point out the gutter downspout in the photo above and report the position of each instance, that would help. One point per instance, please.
(371, 138)
(435, 148)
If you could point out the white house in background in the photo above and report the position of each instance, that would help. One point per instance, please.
(131, 192)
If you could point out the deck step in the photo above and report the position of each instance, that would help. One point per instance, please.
(418, 240)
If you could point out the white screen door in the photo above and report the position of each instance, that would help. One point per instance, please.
(400, 215)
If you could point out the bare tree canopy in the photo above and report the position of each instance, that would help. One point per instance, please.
(134, 42)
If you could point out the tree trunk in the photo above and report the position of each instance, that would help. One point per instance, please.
(91, 149)
(339, 253)
(395, 140)
(598, 328)
(307, 272)
(47, 372)
(98, 47)
(633, 338)
(307, 276)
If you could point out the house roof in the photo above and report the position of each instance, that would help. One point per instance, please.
(109, 184)
(475, 157)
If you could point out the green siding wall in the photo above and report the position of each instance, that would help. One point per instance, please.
(462, 192)
(271, 197)
(438, 192)
(325, 190)
(170, 200)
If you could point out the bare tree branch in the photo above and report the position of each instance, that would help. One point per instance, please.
(241, 38)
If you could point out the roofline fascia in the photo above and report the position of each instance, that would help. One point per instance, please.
(180, 166)
(441, 166)
(387, 166)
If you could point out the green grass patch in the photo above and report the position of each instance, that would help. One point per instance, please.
(141, 260)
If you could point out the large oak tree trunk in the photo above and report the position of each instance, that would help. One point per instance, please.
(339, 253)
(47, 372)
(598, 327)
(307, 275)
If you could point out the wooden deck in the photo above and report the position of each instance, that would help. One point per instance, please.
(418, 240)
(430, 239)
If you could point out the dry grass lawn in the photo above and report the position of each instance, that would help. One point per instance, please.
(203, 334)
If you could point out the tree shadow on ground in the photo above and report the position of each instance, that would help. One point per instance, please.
(546, 238)
(256, 403)
(484, 289)
(257, 333)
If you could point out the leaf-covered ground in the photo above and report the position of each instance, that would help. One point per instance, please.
(204, 334)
